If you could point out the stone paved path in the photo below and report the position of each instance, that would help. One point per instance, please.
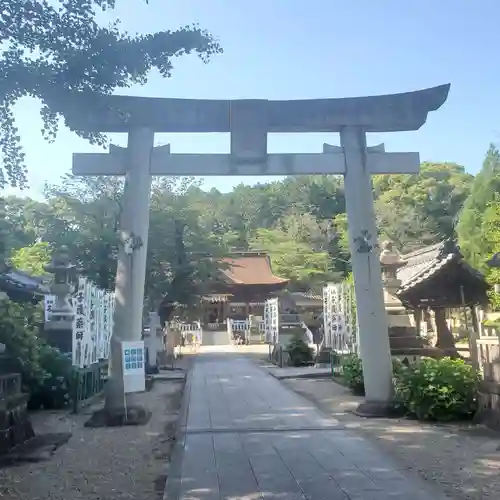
(248, 437)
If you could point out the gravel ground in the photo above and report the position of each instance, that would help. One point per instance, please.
(101, 464)
(464, 460)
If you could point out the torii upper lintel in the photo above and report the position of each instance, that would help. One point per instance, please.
(383, 113)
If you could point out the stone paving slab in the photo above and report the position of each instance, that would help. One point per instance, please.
(298, 372)
(170, 375)
(248, 437)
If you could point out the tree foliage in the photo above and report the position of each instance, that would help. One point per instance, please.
(299, 221)
(182, 252)
(418, 210)
(54, 49)
(85, 214)
(490, 232)
(293, 259)
(19, 330)
(32, 259)
(474, 232)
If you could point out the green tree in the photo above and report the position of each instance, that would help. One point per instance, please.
(339, 245)
(55, 49)
(418, 210)
(470, 228)
(84, 216)
(183, 254)
(32, 259)
(490, 232)
(295, 260)
(25, 219)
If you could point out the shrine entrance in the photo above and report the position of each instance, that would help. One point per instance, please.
(249, 122)
(214, 311)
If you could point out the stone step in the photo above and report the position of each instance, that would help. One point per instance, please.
(406, 342)
(215, 337)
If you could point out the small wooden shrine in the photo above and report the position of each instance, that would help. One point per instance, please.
(437, 279)
(438, 276)
(22, 287)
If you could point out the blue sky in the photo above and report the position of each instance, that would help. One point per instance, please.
(291, 49)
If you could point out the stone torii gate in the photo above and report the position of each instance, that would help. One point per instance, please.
(249, 122)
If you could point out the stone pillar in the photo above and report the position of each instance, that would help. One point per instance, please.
(131, 265)
(154, 341)
(140, 148)
(372, 319)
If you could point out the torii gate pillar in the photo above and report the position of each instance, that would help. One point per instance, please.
(373, 325)
(132, 255)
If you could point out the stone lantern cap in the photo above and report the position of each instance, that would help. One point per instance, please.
(390, 257)
(390, 261)
(61, 267)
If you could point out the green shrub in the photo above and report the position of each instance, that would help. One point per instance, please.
(19, 327)
(352, 372)
(45, 372)
(53, 390)
(438, 389)
(300, 353)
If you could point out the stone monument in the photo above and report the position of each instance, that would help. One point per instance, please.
(249, 122)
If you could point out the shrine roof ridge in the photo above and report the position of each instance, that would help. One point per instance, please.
(382, 113)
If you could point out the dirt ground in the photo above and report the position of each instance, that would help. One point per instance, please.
(118, 463)
(464, 460)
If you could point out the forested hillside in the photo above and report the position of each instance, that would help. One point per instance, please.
(478, 228)
(300, 221)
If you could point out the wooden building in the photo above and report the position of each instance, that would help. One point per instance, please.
(436, 279)
(438, 276)
(246, 280)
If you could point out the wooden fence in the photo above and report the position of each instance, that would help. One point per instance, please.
(485, 355)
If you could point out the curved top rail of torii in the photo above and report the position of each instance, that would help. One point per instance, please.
(383, 113)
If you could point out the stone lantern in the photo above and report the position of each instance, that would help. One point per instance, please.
(403, 338)
(62, 287)
(391, 262)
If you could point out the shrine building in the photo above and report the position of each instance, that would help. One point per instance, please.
(246, 280)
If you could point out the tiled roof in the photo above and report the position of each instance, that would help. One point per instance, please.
(19, 280)
(307, 295)
(427, 262)
(251, 268)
